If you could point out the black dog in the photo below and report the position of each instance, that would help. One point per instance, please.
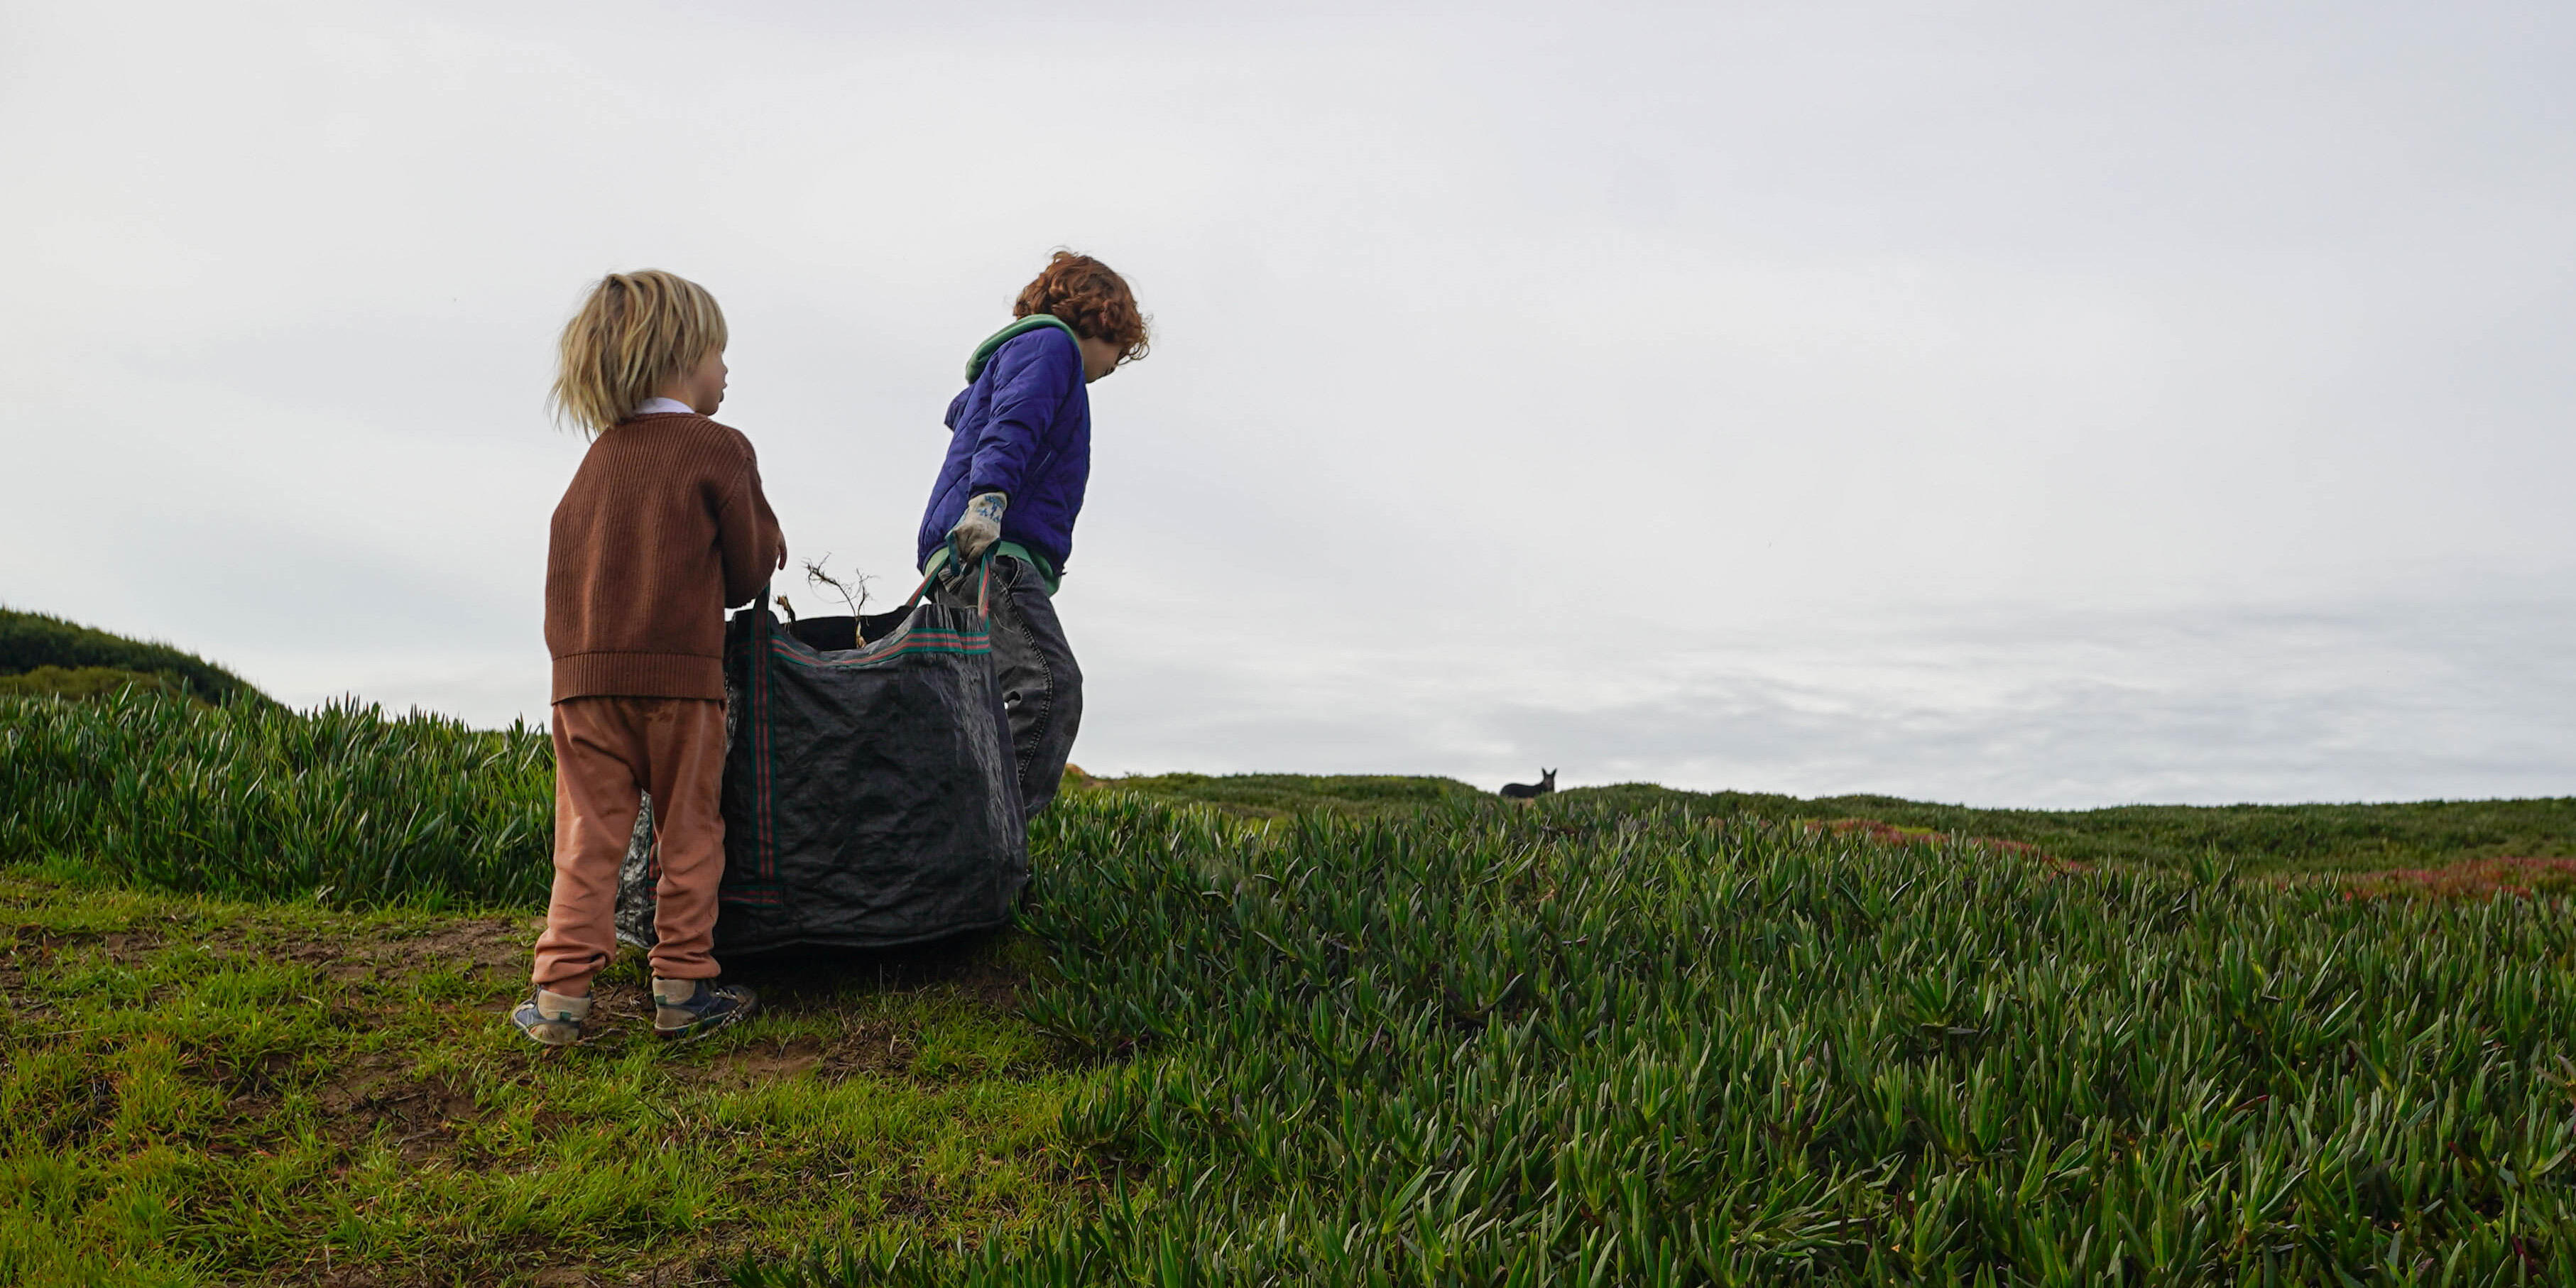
(1524, 791)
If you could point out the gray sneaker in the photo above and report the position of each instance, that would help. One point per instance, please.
(552, 1018)
(687, 1009)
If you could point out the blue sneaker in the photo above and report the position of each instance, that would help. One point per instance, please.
(552, 1018)
(687, 1009)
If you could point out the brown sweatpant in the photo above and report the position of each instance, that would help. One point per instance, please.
(607, 751)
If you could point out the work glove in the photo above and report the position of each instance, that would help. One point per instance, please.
(980, 526)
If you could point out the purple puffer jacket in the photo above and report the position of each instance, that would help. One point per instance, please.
(1022, 426)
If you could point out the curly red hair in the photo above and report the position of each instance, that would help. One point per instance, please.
(1090, 296)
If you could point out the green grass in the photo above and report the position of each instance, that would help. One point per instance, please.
(254, 800)
(2258, 838)
(30, 641)
(81, 682)
(1571, 1045)
(199, 1091)
(1273, 1029)
(1279, 795)
(2268, 838)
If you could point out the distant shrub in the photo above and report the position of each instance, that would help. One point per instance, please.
(83, 682)
(1276, 795)
(32, 641)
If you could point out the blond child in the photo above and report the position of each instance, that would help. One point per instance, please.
(663, 528)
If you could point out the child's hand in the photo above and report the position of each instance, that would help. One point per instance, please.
(981, 525)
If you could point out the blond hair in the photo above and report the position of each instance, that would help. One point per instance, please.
(635, 334)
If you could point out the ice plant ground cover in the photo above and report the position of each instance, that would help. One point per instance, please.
(1574, 1045)
(1366, 1031)
(361, 809)
(340, 804)
(2275, 839)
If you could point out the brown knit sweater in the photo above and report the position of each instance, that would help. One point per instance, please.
(663, 528)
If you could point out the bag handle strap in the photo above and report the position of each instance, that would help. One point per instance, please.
(917, 592)
(983, 584)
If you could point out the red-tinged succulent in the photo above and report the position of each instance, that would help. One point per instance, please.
(2467, 879)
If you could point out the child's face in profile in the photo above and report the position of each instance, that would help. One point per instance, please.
(703, 388)
(1099, 358)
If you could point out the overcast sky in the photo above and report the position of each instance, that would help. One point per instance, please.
(2035, 404)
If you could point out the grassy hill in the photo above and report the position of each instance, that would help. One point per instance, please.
(1274, 1029)
(2266, 838)
(2258, 838)
(1279, 795)
(42, 654)
(259, 801)
(1560, 1044)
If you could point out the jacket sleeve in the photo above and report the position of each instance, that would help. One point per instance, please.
(1032, 377)
(747, 536)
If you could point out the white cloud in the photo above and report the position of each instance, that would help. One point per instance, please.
(1650, 390)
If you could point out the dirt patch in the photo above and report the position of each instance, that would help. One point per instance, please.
(762, 1064)
(418, 1118)
(880, 1048)
(485, 942)
(680, 1274)
(120, 945)
(25, 947)
(483, 947)
(676, 1275)
(885, 1049)
(495, 946)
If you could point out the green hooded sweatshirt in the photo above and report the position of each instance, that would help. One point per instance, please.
(984, 351)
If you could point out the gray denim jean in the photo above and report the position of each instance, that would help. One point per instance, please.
(1041, 683)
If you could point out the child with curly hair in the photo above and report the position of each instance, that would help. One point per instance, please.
(1019, 457)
